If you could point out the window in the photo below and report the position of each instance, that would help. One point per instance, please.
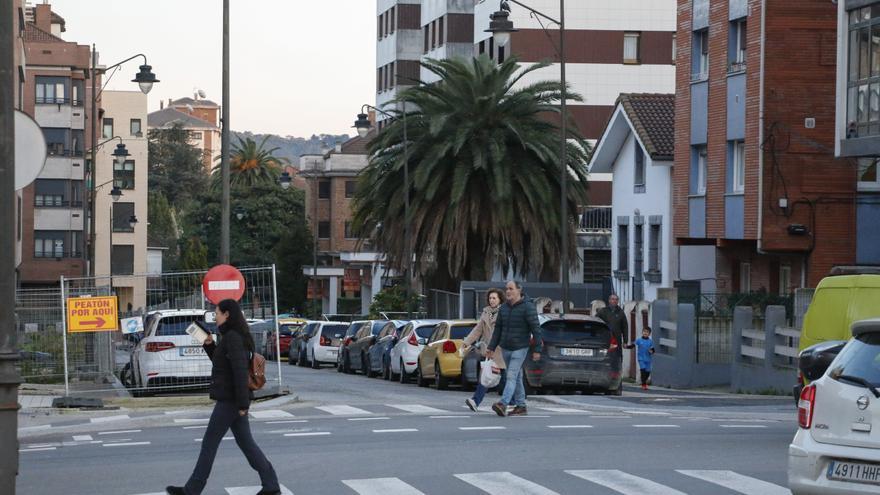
(863, 81)
(698, 171)
(639, 176)
(631, 48)
(51, 90)
(135, 127)
(745, 277)
(784, 280)
(736, 45)
(393, 19)
(122, 213)
(77, 139)
(433, 34)
(674, 46)
(324, 189)
(597, 266)
(50, 193)
(379, 27)
(76, 196)
(122, 260)
(738, 167)
(869, 179)
(501, 54)
(108, 129)
(700, 55)
(350, 188)
(481, 47)
(492, 47)
(77, 91)
(623, 247)
(49, 243)
(349, 231)
(654, 265)
(123, 175)
(56, 141)
(75, 244)
(391, 75)
(440, 32)
(323, 230)
(197, 135)
(425, 29)
(18, 217)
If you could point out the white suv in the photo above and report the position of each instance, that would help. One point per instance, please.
(167, 357)
(837, 448)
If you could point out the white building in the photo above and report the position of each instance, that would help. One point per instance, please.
(398, 48)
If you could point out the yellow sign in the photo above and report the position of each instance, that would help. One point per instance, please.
(92, 314)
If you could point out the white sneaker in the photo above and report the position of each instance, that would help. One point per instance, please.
(471, 404)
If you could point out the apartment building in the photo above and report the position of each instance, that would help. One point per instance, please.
(857, 131)
(754, 172)
(447, 31)
(398, 48)
(54, 94)
(197, 115)
(19, 62)
(121, 221)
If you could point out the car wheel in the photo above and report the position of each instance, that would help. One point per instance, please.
(615, 391)
(315, 363)
(530, 390)
(290, 360)
(301, 360)
(465, 384)
(420, 379)
(386, 370)
(346, 364)
(339, 363)
(365, 366)
(439, 381)
(402, 378)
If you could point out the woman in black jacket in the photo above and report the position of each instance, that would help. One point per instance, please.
(229, 387)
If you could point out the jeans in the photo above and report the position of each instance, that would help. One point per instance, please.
(224, 417)
(513, 388)
(479, 393)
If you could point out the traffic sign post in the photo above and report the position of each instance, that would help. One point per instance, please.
(92, 314)
(223, 282)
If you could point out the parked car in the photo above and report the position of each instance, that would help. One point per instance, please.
(167, 357)
(579, 352)
(405, 353)
(836, 450)
(343, 363)
(298, 341)
(324, 342)
(813, 358)
(379, 355)
(359, 347)
(440, 360)
(286, 327)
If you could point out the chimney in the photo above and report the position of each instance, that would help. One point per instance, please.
(169, 102)
(161, 104)
(43, 17)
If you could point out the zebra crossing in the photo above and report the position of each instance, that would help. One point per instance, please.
(506, 483)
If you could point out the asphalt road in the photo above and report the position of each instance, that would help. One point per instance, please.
(349, 434)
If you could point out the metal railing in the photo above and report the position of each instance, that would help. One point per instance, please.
(594, 219)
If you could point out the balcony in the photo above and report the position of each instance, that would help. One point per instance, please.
(40, 202)
(736, 67)
(594, 219)
(59, 113)
(57, 254)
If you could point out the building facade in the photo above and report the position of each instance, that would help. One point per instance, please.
(200, 117)
(398, 48)
(20, 63)
(857, 130)
(124, 113)
(755, 174)
(447, 31)
(54, 94)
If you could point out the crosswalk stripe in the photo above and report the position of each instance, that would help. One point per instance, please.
(504, 483)
(271, 413)
(107, 419)
(125, 444)
(623, 482)
(82, 438)
(382, 486)
(417, 408)
(190, 420)
(342, 410)
(250, 490)
(563, 410)
(736, 482)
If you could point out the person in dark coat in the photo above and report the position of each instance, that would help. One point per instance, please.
(229, 387)
(615, 318)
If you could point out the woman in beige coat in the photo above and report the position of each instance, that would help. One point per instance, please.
(481, 335)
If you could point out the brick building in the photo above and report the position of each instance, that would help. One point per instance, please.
(754, 171)
(200, 117)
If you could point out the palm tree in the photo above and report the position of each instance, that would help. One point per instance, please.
(484, 170)
(250, 164)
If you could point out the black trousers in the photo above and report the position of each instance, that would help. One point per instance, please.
(224, 418)
(645, 375)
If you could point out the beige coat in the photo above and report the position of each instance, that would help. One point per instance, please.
(483, 333)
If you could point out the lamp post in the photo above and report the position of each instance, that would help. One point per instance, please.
(224, 143)
(145, 78)
(501, 28)
(363, 126)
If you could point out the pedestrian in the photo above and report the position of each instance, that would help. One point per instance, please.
(645, 355)
(516, 325)
(230, 359)
(543, 304)
(482, 335)
(615, 318)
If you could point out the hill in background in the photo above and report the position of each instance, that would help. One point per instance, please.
(293, 147)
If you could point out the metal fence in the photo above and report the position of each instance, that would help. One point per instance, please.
(444, 305)
(162, 358)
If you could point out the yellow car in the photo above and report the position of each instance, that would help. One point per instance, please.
(441, 360)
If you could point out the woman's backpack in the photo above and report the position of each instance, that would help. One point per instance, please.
(257, 371)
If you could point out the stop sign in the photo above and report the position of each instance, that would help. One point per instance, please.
(223, 282)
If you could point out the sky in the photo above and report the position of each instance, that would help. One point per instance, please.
(297, 67)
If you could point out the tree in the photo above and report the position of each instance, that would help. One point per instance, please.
(393, 300)
(175, 166)
(292, 252)
(251, 164)
(484, 171)
(162, 228)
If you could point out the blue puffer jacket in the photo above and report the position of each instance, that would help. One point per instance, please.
(516, 325)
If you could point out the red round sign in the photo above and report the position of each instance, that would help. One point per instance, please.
(223, 282)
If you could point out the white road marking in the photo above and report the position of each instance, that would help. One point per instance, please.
(307, 434)
(467, 428)
(271, 413)
(286, 422)
(194, 427)
(33, 428)
(224, 438)
(736, 482)
(343, 410)
(119, 432)
(82, 438)
(569, 426)
(125, 444)
(417, 408)
(382, 486)
(108, 419)
(504, 484)
(623, 482)
(250, 490)
(656, 426)
(743, 426)
(190, 420)
(648, 413)
(369, 419)
(40, 449)
(531, 416)
(396, 430)
(451, 416)
(566, 410)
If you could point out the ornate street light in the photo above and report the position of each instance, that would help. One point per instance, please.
(145, 78)
(120, 154)
(285, 180)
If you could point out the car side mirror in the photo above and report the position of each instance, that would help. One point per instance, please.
(815, 360)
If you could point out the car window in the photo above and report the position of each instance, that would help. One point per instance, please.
(353, 329)
(437, 335)
(860, 359)
(176, 325)
(288, 329)
(378, 326)
(387, 330)
(559, 331)
(363, 332)
(404, 334)
(425, 331)
(461, 331)
(333, 331)
(310, 328)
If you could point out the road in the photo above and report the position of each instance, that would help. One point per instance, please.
(349, 434)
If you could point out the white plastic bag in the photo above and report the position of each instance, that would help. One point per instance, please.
(490, 374)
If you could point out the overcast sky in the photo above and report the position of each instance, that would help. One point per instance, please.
(297, 67)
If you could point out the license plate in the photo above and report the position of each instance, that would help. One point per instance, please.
(854, 471)
(569, 351)
(192, 351)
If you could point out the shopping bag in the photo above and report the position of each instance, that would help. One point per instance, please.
(490, 375)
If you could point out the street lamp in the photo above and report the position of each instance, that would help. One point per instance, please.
(285, 180)
(239, 212)
(145, 78)
(501, 28)
(363, 126)
(120, 154)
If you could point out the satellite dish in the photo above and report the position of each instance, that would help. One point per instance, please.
(189, 107)
(201, 93)
(30, 150)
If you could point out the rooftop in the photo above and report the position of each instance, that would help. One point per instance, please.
(653, 118)
(170, 116)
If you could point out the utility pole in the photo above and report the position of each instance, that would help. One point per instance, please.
(9, 379)
(224, 143)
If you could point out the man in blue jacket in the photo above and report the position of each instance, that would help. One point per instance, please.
(516, 325)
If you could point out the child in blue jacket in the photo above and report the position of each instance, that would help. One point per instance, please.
(645, 354)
